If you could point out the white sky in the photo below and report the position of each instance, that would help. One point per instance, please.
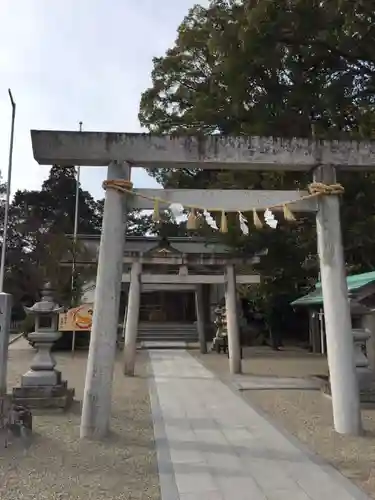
(78, 60)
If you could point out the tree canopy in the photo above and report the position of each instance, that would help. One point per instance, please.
(261, 67)
(39, 222)
(41, 226)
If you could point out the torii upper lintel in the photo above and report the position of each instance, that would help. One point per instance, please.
(213, 152)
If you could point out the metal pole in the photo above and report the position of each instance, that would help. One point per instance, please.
(9, 180)
(322, 332)
(75, 232)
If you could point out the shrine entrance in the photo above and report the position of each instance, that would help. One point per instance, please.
(121, 152)
(167, 307)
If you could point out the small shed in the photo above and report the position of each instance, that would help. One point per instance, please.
(361, 294)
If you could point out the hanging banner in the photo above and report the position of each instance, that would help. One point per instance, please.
(78, 319)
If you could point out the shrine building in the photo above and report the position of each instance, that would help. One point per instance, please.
(178, 275)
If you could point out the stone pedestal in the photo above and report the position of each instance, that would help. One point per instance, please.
(362, 366)
(42, 386)
(365, 374)
(220, 340)
(42, 369)
(368, 323)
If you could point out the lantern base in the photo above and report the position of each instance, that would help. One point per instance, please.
(44, 396)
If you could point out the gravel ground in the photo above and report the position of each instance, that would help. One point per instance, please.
(60, 466)
(306, 414)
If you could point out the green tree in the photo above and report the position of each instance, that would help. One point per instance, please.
(39, 224)
(40, 236)
(259, 67)
(55, 204)
(140, 223)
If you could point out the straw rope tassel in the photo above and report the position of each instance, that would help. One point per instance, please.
(156, 214)
(223, 223)
(192, 222)
(288, 214)
(315, 189)
(257, 222)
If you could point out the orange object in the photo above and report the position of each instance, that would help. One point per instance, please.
(76, 319)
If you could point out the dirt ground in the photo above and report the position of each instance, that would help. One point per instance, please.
(58, 465)
(307, 414)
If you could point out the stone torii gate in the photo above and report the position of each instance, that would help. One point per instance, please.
(121, 151)
(137, 277)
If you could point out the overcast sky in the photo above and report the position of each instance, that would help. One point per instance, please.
(78, 60)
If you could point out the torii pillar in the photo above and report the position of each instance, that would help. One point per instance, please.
(201, 320)
(96, 410)
(132, 319)
(231, 306)
(340, 346)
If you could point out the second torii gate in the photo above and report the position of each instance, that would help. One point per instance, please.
(208, 261)
(120, 152)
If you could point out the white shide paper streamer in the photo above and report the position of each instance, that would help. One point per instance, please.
(243, 223)
(270, 219)
(210, 220)
(176, 209)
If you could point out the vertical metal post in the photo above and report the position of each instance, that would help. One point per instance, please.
(7, 200)
(322, 332)
(75, 233)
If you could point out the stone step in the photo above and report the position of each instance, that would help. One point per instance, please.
(168, 331)
(164, 345)
(167, 338)
(168, 327)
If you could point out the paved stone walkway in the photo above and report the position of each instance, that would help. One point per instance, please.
(246, 383)
(20, 344)
(212, 445)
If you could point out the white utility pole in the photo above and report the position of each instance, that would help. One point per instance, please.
(7, 200)
(75, 233)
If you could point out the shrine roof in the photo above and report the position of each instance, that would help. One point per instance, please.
(355, 283)
(177, 245)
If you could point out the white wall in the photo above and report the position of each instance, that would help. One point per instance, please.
(88, 294)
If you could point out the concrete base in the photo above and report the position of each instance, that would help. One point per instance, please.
(366, 395)
(44, 397)
(41, 378)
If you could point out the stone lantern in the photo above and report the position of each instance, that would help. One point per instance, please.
(363, 351)
(220, 341)
(361, 337)
(42, 386)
